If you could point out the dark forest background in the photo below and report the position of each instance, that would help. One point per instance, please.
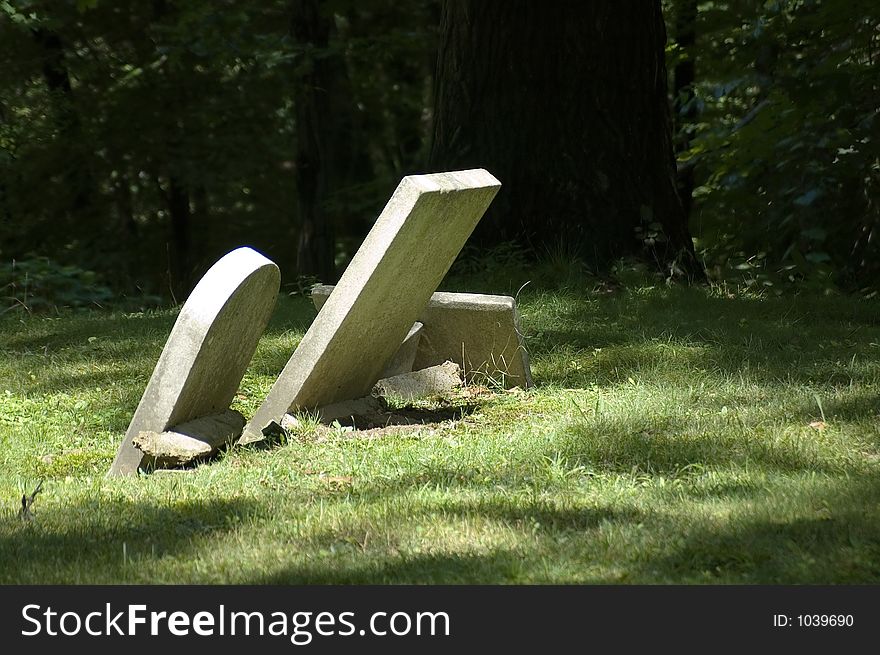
(140, 141)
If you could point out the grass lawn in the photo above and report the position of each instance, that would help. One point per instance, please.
(675, 436)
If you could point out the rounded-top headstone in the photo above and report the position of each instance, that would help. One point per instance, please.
(208, 351)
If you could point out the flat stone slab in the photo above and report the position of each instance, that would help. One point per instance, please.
(479, 332)
(423, 383)
(209, 348)
(190, 441)
(379, 297)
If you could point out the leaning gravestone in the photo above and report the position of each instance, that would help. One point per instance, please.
(208, 350)
(385, 287)
(479, 332)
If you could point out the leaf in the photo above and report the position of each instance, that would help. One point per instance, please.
(808, 198)
(814, 234)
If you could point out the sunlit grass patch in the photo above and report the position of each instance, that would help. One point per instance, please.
(674, 435)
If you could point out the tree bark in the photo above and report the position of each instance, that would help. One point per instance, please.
(683, 106)
(77, 172)
(315, 244)
(126, 226)
(181, 255)
(174, 99)
(5, 210)
(566, 103)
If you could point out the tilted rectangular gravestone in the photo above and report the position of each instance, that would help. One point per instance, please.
(209, 348)
(479, 332)
(385, 287)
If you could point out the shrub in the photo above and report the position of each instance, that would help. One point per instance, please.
(38, 284)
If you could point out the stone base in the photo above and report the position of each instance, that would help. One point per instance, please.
(478, 332)
(190, 441)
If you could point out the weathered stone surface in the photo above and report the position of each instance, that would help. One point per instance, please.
(169, 449)
(215, 430)
(423, 383)
(403, 359)
(479, 332)
(200, 437)
(190, 441)
(389, 281)
(208, 350)
(344, 409)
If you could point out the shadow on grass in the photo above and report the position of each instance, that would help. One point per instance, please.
(626, 445)
(786, 339)
(499, 565)
(836, 540)
(84, 542)
(41, 335)
(838, 544)
(855, 407)
(81, 351)
(496, 567)
(124, 371)
(771, 340)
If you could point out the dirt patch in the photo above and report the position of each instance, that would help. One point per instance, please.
(425, 417)
(407, 417)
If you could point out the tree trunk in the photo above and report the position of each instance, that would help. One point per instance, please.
(684, 109)
(181, 256)
(175, 96)
(566, 103)
(79, 206)
(126, 227)
(5, 210)
(315, 244)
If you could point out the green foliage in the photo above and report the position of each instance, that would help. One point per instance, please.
(39, 284)
(110, 111)
(785, 140)
(502, 257)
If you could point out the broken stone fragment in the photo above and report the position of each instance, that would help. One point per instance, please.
(431, 381)
(373, 410)
(190, 441)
